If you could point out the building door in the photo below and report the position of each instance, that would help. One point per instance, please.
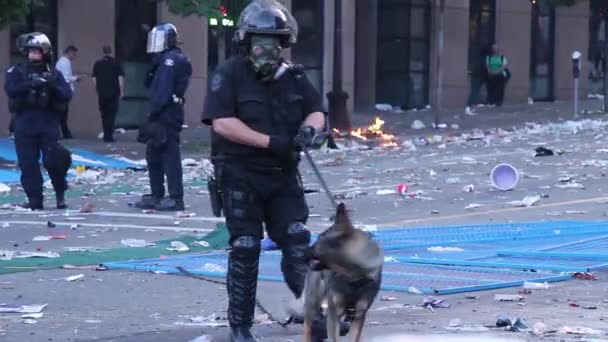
(134, 19)
(309, 50)
(402, 62)
(597, 41)
(482, 34)
(543, 51)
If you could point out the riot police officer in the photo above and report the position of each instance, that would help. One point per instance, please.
(37, 94)
(167, 81)
(263, 111)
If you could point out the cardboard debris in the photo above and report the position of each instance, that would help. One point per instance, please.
(25, 309)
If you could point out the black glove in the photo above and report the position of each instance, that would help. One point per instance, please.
(304, 138)
(280, 145)
(37, 82)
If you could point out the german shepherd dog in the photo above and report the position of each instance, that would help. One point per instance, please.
(346, 270)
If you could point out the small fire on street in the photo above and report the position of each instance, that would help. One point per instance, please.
(372, 133)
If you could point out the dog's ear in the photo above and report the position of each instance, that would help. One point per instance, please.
(342, 219)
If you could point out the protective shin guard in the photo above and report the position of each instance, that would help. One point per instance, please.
(242, 281)
(293, 263)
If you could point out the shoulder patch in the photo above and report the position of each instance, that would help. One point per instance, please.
(169, 62)
(216, 82)
(10, 69)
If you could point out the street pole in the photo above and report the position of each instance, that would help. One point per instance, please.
(338, 112)
(576, 72)
(605, 64)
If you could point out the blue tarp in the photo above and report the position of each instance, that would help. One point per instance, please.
(80, 157)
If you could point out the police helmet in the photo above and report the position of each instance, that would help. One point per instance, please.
(35, 40)
(161, 38)
(266, 17)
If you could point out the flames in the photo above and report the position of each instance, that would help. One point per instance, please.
(374, 132)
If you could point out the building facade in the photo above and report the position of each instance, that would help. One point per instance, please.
(406, 53)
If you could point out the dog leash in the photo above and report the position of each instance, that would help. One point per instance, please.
(312, 163)
(258, 304)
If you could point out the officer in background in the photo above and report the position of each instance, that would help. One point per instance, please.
(168, 84)
(38, 94)
(263, 111)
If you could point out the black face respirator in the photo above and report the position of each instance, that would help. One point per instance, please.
(265, 54)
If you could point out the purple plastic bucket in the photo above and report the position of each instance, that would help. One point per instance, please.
(504, 177)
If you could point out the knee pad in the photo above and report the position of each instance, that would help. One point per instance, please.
(246, 246)
(57, 159)
(298, 234)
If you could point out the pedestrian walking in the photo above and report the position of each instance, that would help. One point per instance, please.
(64, 65)
(38, 94)
(109, 80)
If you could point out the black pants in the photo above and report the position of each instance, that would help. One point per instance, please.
(32, 139)
(63, 123)
(165, 160)
(108, 108)
(496, 89)
(254, 200)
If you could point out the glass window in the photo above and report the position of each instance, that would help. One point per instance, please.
(133, 21)
(402, 69)
(309, 49)
(42, 17)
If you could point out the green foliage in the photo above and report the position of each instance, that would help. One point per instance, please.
(13, 10)
(202, 8)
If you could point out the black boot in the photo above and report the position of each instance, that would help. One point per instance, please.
(170, 204)
(61, 204)
(241, 285)
(241, 334)
(147, 202)
(32, 204)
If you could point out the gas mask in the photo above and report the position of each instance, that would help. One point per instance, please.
(265, 54)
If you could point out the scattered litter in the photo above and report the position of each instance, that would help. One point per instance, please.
(178, 246)
(4, 188)
(29, 321)
(519, 326)
(9, 255)
(418, 125)
(567, 212)
(201, 243)
(527, 202)
(384, 107)
(543, 152)
(579, 331)
(414, 290)
(402, 189)
(440, 249)
(469, 188)
(456, 322)
(203, 338)
(434, 303)
(585, 276)
(42, 238)
(536, 286)
(50, 224)
(385, 192)
(471, 297)
(92, 321)
(87, 208)
(36, 315)
(5, 225)
(184, 214)
(452, 180)
(388, 299)
(503, 321)
(565, 179)
(473, 206)
(572, 185)
(539, 328)
(136, 243)
(508, 298)
(75, 277)
(34, 308)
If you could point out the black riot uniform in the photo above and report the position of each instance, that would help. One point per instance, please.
(168, 81)
(260, 187)
(37, 93)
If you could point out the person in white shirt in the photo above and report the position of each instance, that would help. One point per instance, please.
(64, 65)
